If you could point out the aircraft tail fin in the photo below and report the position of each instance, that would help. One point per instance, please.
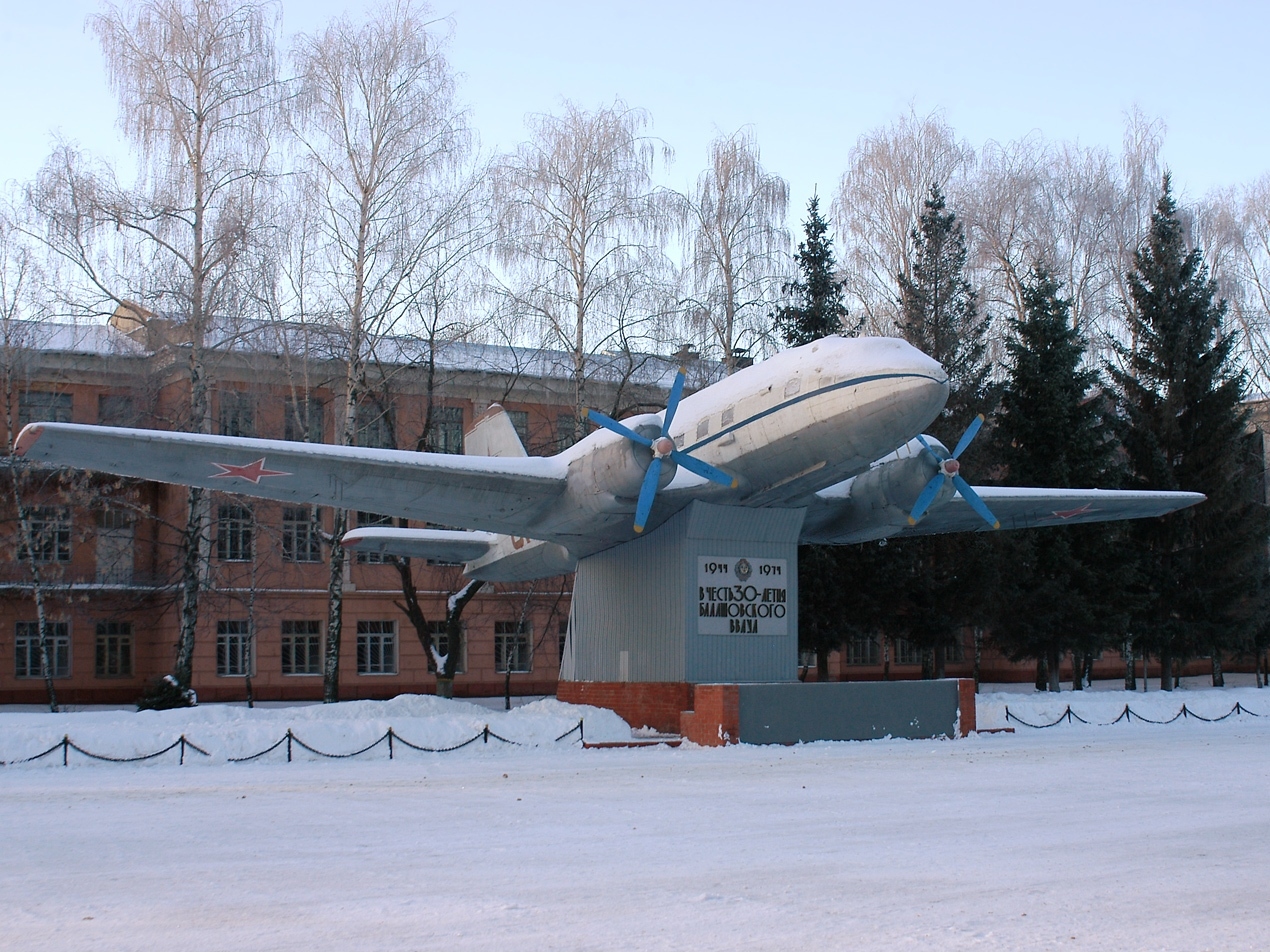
(493, 435)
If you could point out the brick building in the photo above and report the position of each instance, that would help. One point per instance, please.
(107, 549)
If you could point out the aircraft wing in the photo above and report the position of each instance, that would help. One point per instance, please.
(475, 492)
(1028, 508)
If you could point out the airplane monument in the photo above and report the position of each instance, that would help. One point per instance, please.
(682, 526)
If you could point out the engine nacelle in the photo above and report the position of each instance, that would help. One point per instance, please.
(880, 500)
(609, 478)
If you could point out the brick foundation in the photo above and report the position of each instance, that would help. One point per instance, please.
(655, 704)
(715, 718)
(966, 706)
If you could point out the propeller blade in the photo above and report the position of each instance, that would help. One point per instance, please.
(976, 503)
(672, 404)
(693, 465)
(647, 493)
(925, 498)
(610, 424)
(971, 432)
(930, 449)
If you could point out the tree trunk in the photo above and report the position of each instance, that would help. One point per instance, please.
(1130, 675)
(196, 552)
(1042, 682)
(445, 687)
(1054, 661)
(37, 584)
(1219, 678)
(978, 656)
(928, 664)
(1078, 672)
(1166, 669)
(822, 665)
(334, 612)
(940, 658)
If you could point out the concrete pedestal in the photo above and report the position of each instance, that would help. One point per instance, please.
(711, 595)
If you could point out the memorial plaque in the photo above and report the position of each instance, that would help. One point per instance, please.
(742, 596)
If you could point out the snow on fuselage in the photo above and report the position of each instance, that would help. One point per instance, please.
(799, 421)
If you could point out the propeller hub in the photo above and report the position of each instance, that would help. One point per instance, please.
(663, 446)
(951, 467)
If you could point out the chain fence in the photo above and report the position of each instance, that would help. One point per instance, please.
(1128, 715)
(185, 745)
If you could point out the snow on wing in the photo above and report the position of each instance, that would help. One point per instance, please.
(496, 495)
(1029, 508)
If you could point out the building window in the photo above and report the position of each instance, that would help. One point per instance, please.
(566, 430)
(41, 406)
(27, 649)
(301, 535)
(366, 520)
(864, 649)
(50, 534)
(374, 427)
(234, 657)
(441, 641)
(116, 409)
(955, 652)
(447, 430)
(234, 533)
(114, 649)
(301, 647)
(237, 413)
(304, 421)
(807, 658)
(512, 647)
(376, 647)
(520, 423)
(906, 652)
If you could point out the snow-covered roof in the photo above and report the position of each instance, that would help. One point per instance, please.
(541, 363)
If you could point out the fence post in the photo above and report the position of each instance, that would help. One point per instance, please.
(182, 760)
(66, 744)
(288, 745)
(390, 743)
(582, 730)
(486, 734)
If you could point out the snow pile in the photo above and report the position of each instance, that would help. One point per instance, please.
(229, 731)
(1103, 707)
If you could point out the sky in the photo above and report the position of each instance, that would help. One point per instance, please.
(809, 77)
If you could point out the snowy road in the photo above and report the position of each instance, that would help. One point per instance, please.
(1088, 838)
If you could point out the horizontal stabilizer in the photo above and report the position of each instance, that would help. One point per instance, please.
(439, 545)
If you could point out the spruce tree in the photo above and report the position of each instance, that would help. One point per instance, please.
(1063, 590)
(817, 308)
(1183, 426)
(927, 589)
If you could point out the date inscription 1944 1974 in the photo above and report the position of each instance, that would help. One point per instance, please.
(742, 596)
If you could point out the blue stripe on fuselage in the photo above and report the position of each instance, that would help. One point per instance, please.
(801, 397)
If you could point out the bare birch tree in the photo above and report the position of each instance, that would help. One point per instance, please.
(879, 202)
(383, 146)
(196, 85)
(735, 225)
(581, 231)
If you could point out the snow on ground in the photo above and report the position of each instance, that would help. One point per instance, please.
(1077, 837)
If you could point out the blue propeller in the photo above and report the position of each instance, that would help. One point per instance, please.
(950, 469)
(663, 448)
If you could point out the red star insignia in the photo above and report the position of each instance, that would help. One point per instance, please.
(1068, 513)
(252, 472)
